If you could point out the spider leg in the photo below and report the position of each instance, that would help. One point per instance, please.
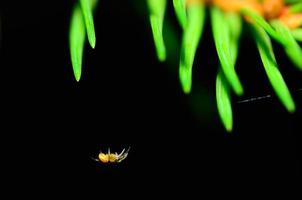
(123, 155)
(95, 159)
(121, 158)
(123, 152)
(128, 150)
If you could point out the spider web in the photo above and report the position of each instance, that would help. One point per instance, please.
(261, 98)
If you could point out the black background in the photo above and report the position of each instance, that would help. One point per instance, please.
(51, 125)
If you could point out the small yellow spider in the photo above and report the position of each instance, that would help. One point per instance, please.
(112, 157)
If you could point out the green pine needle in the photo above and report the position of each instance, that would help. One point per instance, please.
(157, 12)
(157, 7)
(292, 1)
(180, 10)
(87, 10)
(292, 48)
(156, 26)
(297, 34)
(77, 40)
(296, 8)
(222, 43)
(77, 35)
(223, 92)
(260, 21)
(270, 65)
(190, 41)
(223, 99)
(185, 77)
(234, 22)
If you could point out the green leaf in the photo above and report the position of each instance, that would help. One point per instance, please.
(157, 10)
(180, 10)
(76, 41)
(297, 34)
(270, 65)
(87, 10)
(222, 42)
(223, 99)
(190, 41)
(292, 48)
(260, 21)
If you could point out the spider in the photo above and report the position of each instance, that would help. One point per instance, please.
(112, 157)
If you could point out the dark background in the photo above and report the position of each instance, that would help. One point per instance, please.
(51, 125)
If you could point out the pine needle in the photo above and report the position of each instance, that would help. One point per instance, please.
(223, 99)
(270, 65)
(297, 34)
(190, 41)
(291, 1)
(222, 43)
(157, 12)
(223, 92)
(77, 35)
(292, 48)
(296, 8)
(260, 21)
(77, 40)
(180, 10)
(87, 10)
